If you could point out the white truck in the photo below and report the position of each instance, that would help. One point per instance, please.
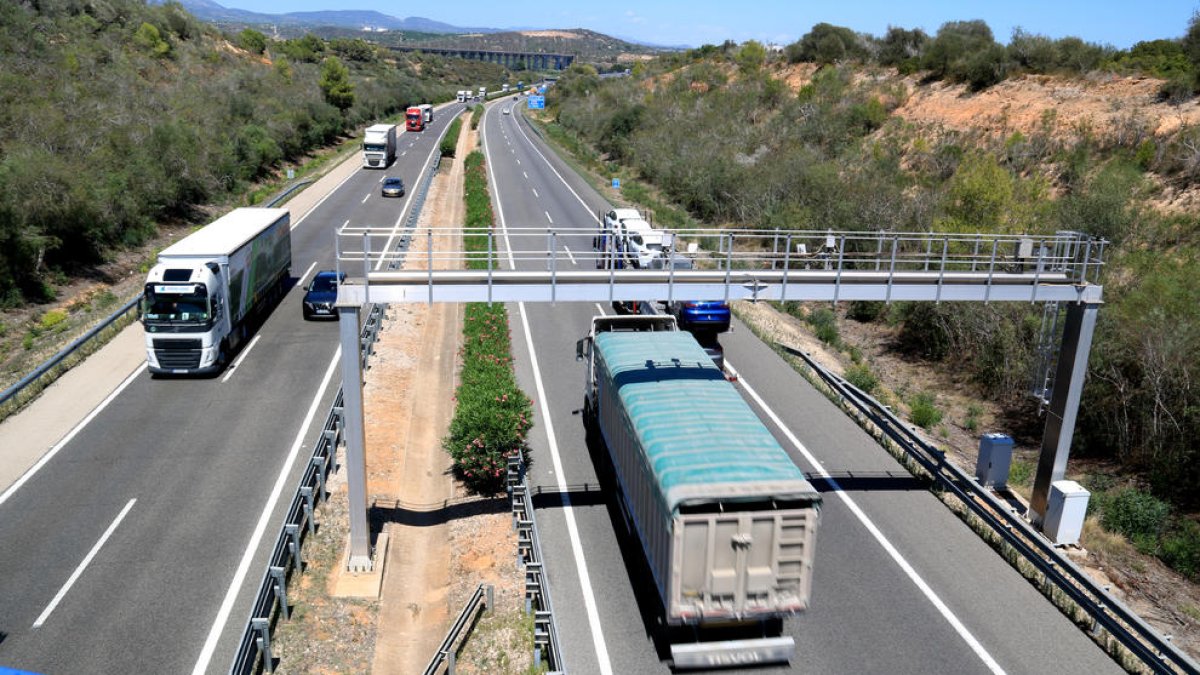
(483, 93)
(463, 95)
(627, 239)
(204, 288)
(379, 146)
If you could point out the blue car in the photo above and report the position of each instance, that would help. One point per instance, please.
(701, 316)
(321, 295)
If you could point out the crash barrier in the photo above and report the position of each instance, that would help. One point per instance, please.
(546, 650)
(254, 651)
(1151, 648)
(484, 595)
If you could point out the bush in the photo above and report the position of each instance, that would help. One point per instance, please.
(476, 115)
(864, 311)
(53, 318)
(824, 323)
(923, 412)
(860, 375)
(1180, 550)
(1136, 514)
(450, 140)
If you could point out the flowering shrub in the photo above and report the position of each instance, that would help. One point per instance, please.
(492, 415)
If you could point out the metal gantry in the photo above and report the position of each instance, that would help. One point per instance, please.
(537, 264)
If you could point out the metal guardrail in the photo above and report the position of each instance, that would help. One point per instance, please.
(67, 351)
(1151, 647)
(446, 651)
(254, 650)
(546, 649)
(47, 366)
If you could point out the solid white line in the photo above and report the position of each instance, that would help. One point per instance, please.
(535, 194)
(242, 356)
(310, 268)
(548, 217)
(235, 584)
(896, 556)
(364, 201)
(589, 596)
(67, 439)
(570, 255)
(83, 565)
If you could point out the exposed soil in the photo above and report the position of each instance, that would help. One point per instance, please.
(551, 34)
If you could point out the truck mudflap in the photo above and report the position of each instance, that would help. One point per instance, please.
(730, 653)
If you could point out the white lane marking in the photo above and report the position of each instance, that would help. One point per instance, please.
(83, 565)
(589, 596)
(518, 161)
(233, 367)
(525, 174)
(381, 178)
(322, 199)
(364, 201)
(896, 556)
(310, 268)
(556, 173)
(12, 489)
(235, 584)
(548, 217)
(404, 153)
(535, 194)
(570, 255)
(346, 223)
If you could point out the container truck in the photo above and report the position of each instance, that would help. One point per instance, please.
(426, 112)
(204, 288)
(414, 119)
(725, 519)
(379, 146)
(463, 95)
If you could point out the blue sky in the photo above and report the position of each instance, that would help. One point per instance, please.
(696, 22)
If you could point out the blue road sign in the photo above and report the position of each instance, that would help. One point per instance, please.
(537, 102)
(616, 183)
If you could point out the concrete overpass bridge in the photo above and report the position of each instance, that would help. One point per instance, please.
(511, 60)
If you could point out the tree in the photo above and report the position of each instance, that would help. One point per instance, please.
(751, 56)
(903, 48)
(335, 84)
(826, 44)
(252, 41)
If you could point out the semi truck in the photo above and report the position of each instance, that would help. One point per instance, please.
(463, 95)
(379, 146)
(204, 289)
(414, 119)
(725, 519)
(426, 112)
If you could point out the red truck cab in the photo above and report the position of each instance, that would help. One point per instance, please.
(414, 119)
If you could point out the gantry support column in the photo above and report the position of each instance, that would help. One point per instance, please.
(1064, 403)
(352, 421)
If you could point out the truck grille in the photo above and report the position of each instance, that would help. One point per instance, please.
(179, 354)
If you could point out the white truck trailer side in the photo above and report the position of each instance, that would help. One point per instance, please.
(379, 146)
(204, 288)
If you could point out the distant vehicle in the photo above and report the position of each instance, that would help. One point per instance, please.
(463, 96)
(514, 98)
(426, 112)
(379, 146)
(203, 290)
(700, 316)
(320, 296)
(726, 521)
(393, 186)
(508, 111)
(414, 119)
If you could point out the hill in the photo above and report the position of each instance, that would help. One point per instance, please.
(588, 46)
(207, 10)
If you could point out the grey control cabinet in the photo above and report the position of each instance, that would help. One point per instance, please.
(995, 457)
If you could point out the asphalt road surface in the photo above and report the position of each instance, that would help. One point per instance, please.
(127, 552)
(901, 585)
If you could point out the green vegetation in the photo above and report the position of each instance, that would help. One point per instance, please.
(476, 115)
(860, 375)
(166, 113)
(923, 411)
(449, 144)
(492, 415)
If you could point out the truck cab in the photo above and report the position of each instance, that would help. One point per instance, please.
(184, 318)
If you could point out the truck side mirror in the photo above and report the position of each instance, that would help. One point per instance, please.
(581, 349)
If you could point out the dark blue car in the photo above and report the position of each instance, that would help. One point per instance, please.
(701, 316)
(321, 295)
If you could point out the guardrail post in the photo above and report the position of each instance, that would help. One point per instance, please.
(278, 574)
(293, 534)
(491, 596)
(450, 661)
(263, 628)
(319, 462)
(310, 509)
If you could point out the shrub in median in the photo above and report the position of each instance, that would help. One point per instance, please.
(450, 140)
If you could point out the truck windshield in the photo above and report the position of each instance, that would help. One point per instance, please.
(374, 147)
(165, 309)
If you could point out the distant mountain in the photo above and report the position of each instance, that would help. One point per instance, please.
(207, 10)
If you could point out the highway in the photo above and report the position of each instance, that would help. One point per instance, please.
(901, 585)
(129, 550)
